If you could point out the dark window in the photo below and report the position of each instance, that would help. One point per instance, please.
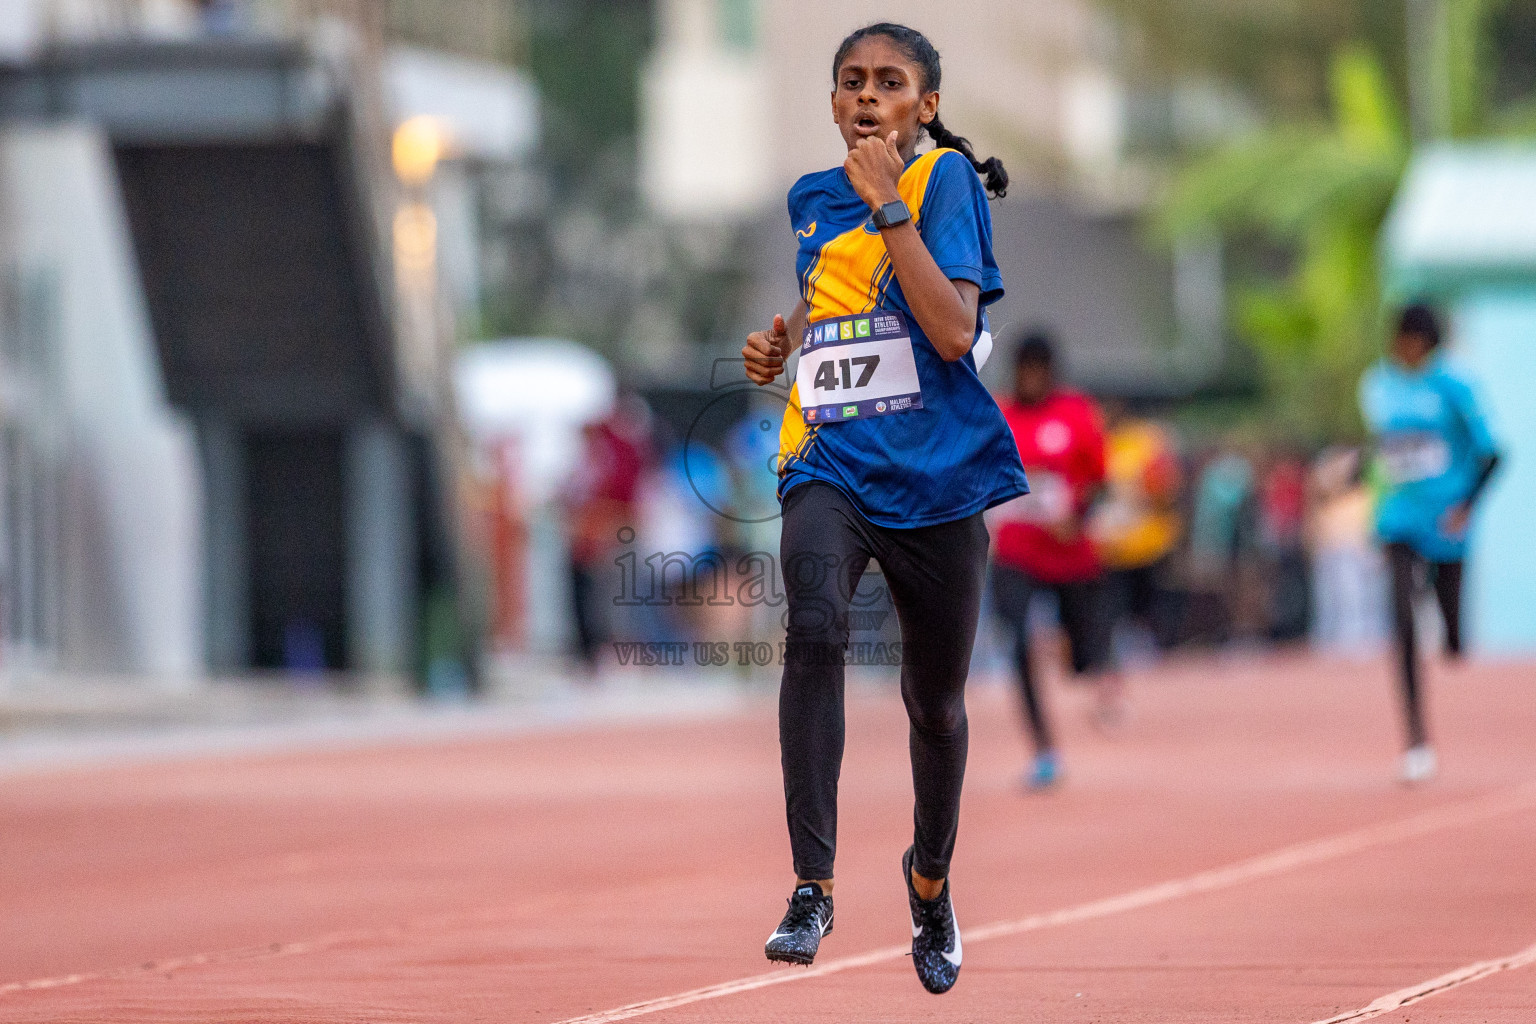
(298, 558)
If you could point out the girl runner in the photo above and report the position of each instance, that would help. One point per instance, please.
(891, 448)
(1435, 455)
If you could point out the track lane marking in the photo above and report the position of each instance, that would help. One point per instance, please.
(1287, 858)
(225, 956)
(1266, 865)
(1435, 986)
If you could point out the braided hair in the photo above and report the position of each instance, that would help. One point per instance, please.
(921, 52)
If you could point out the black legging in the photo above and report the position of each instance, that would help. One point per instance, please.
(1080, 609)
(935, 576)
(1407, 567)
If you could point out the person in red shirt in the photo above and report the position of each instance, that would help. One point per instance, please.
(599, 500)
(1040, 542)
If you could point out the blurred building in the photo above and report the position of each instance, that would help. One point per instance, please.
(99, 474)
(225, 320)
(737, 90)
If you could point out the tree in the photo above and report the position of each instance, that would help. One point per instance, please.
(1319, 191)
(1277, 53)
(1316, 189)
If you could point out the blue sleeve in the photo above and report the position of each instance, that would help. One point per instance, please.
(802, 199)
(1462, 396)
(957, 226)
(794, 202)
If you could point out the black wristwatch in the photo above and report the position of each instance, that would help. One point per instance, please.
(890, 215)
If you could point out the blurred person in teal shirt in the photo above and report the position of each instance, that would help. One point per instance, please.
(1434, 456)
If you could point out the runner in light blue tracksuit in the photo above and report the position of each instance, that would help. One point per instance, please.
(1434, 456)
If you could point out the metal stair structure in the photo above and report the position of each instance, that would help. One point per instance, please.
(258, 219)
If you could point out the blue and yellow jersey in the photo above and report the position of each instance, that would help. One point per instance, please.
(1431, 437)
(954, 457)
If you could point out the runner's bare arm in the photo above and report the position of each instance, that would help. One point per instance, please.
(765, 351)
(944, 308)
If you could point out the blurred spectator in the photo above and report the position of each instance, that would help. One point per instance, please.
(1137, 524)
(599, 502)
(1221, 543)
(679, 498)
(752, 530)
(752, 450)
(1282, 511)
(682, 554)
(1349, 585)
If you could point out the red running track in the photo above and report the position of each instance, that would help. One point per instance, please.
(1241, 852)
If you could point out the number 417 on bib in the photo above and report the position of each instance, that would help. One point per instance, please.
(855, 372)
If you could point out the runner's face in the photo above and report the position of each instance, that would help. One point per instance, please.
(1032, 382)
(1411, 349)
(880, 91)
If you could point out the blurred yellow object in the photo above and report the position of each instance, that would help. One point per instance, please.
(1138, 523)
(418, 146)
(415, 237)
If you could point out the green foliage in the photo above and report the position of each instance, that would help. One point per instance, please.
(586, 57)
(1466, 65)
(1316, 185)
(1320, 191)
(1277, 52)
(1515, 121)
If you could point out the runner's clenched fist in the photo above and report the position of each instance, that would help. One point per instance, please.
(874, 167)
(765, 352)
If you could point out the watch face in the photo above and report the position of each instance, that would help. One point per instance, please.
(891, 214)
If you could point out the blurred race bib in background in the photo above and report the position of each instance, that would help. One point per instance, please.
(1408, 458)
(1048, 503)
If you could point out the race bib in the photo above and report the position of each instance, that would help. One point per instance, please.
(1409, 458)
(854, 367)
(1048, 503)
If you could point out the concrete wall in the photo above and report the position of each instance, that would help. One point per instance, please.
(382, 608)
(1496, 338)
(132, 579)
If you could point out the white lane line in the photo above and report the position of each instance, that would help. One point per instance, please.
(1286, 859)
(1449, 816)
(181, 963)
(1455, 979)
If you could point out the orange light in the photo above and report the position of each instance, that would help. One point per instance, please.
(417, 148)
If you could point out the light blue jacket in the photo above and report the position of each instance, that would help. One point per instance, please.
(1432, 438)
